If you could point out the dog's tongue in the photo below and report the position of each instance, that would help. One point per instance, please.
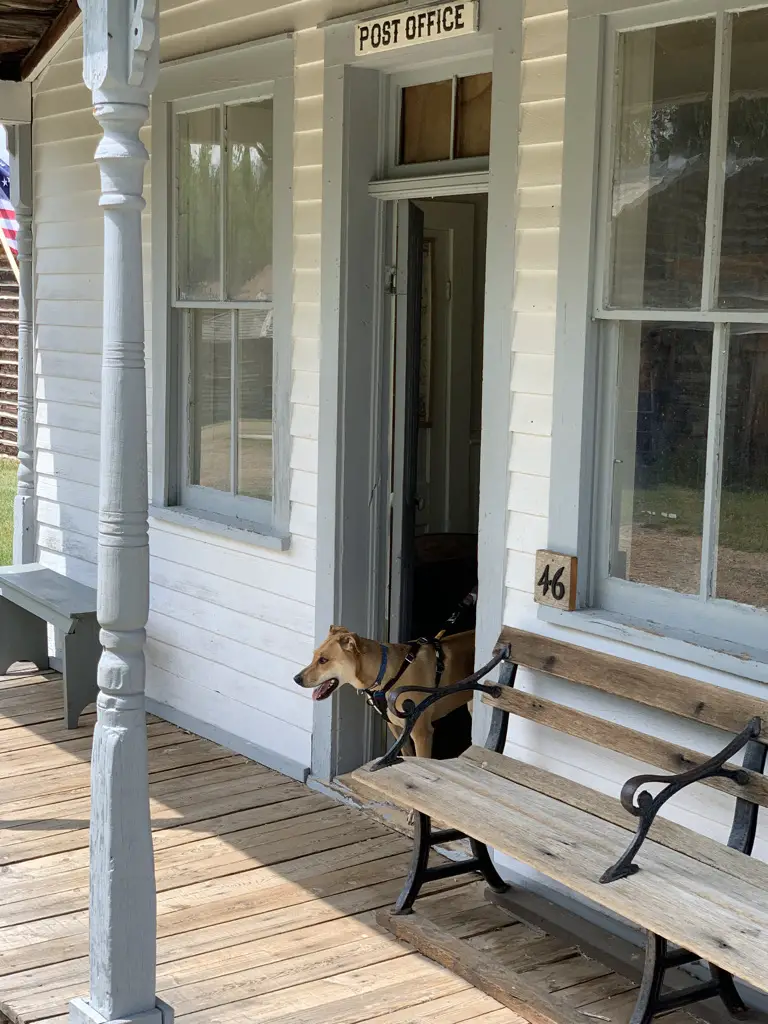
(324, 689)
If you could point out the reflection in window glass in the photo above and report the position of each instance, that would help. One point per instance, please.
(661, 169)
(211, 399)
(254, 372)
(744, 254)
(742, 557)
(660, 454)
(199, 199)
(426, 122)
(473, 115)
(250, 163)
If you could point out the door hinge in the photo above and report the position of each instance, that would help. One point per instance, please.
(390, 280)
(448, 290)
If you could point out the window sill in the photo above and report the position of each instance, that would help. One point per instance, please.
(255, 534)
(695, 648)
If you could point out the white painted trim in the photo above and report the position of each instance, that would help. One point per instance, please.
(245, 532)
(238, 745)
(576, 345)
(354, 388)
(689, 316)
(718, 144)
(431, 186)
(228, 51)
(505, 20)
(714, 461)
(22, 195)
(654, 12)
(242, 66)
(15, 103)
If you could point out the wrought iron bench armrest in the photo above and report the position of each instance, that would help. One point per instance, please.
(409, 712)
(645, 806)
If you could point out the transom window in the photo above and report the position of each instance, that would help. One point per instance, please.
(682, 299)
(225, 174)
(446, 120)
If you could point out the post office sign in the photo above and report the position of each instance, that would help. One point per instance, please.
(420, 25)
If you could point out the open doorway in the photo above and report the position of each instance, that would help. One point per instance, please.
(438, 364)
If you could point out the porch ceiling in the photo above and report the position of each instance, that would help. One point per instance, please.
(28, 30)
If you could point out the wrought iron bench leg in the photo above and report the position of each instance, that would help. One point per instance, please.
(658, 960)
(728, 991)
(424, 839)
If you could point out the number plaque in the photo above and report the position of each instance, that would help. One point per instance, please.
(555, 581)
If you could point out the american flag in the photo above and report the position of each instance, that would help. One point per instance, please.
(9, 226)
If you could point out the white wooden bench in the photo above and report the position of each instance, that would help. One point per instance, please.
(33, 596)
(697, 899)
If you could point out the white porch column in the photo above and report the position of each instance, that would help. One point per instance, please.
(120, 67)
(20, 149)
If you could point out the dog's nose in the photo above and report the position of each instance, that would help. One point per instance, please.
(299, 678)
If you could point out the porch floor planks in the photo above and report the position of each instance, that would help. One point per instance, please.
(530, 972)
(267, 892)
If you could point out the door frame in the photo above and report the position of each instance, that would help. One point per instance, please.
(356, 327)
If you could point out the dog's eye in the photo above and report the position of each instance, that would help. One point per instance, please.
(322, 661)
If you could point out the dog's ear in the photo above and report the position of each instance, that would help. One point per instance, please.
(348, 641)
(335, 630)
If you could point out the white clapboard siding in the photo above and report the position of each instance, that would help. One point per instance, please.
(230, 623)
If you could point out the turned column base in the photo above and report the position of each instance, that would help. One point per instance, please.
(81, 1012)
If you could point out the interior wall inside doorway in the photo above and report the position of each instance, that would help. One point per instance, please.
(450, 413)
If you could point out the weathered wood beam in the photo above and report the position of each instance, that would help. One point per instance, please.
(63, 22)
(120, 64)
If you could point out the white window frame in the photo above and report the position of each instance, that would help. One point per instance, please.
(711, 631)
(252, 72)
(458, 68)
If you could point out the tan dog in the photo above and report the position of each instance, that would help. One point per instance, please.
(345, 657)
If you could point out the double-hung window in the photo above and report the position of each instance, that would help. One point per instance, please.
(680, 321)
(226, 161)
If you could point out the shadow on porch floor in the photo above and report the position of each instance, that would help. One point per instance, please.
(267, 892)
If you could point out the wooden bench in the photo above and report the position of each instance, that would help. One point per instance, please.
(33, 596)
(696, 899)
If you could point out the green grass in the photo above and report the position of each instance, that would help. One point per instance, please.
(8, 470)
(743, 515)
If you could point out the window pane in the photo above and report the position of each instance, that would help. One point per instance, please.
(254, 368)
(211, 399)
(742, 559)
(661, 170)
(426, 122)
(473, 116)
(660, 454)
(199, 198)
(744, 259)
(249, 201)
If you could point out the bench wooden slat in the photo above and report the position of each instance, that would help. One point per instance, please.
(652, 687)
(623, 740)
(47, 594)
(667, 833)
(722, 918)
